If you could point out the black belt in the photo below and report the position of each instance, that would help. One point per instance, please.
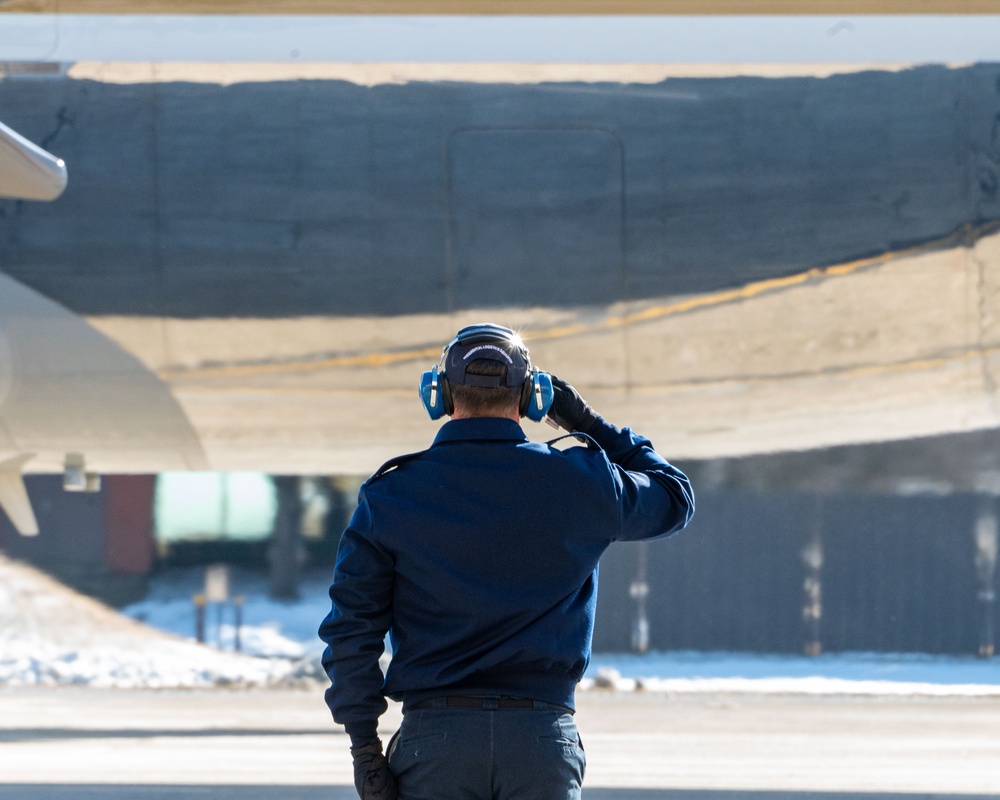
(488, 703)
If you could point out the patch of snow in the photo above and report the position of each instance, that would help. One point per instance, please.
(270, 628)
(835, 673)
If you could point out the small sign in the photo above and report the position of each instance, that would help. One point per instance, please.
(217, 584)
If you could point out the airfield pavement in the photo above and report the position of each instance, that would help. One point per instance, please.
(87, 744)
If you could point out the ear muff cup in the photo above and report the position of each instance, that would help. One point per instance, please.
(432, 394)
(537, 396)
(435, 394)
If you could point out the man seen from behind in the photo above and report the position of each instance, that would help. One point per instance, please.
(478, 557)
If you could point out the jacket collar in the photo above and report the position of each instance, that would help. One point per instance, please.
(480, 428)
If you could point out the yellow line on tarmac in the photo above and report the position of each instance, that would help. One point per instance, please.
(871, 370)
(311, 365)
(658, 312)
(954, 359)
(769, 285)
(274, 391)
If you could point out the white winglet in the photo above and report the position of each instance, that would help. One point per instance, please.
(14, 496)
(28, 172)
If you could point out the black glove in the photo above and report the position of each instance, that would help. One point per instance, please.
(570, 411)
(372, 777)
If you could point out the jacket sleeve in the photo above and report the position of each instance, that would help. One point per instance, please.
(355, 628)
(655, 499)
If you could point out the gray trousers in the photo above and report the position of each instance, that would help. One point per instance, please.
(480, 754)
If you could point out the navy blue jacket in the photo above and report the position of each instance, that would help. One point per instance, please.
(479, 557)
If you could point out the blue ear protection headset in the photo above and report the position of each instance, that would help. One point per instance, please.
(496, 343)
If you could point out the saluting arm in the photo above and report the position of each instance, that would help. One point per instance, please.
(655, 498)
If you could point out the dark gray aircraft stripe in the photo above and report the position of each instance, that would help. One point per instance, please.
(323, 197)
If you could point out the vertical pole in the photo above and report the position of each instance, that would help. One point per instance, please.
(224, 483)
(285, 551)
(812, 561)
(238, 622)
(986, 646)
(638, 591)
(986, 564)
(199, 617)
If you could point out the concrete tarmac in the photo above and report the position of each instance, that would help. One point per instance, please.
(277, 745)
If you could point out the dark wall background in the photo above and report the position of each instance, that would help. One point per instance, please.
(99, 543)
(898, 574)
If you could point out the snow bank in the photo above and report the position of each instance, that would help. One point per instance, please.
(51, 635)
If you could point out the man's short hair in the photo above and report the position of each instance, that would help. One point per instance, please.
(486, 401)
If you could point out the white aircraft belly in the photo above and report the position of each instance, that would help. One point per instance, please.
(66, 388)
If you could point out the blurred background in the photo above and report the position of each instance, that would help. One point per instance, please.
(769, 241)
(885, 548)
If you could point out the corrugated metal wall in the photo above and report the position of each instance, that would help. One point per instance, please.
(897, 574)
